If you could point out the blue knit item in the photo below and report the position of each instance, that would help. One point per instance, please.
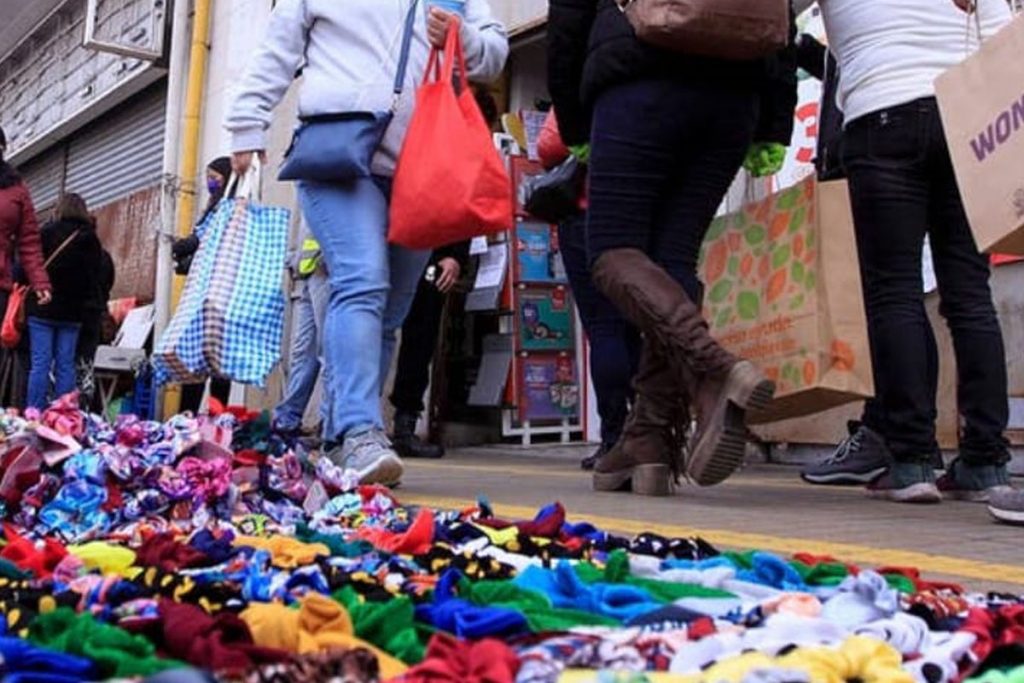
(464, 619)
(565, 589)
(24, 662)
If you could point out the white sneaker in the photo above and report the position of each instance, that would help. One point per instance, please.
(370, 455)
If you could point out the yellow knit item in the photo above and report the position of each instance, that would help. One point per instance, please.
(107, 558)
(286, 552)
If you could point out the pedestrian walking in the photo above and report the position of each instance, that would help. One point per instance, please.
(614, 343)
(305, 359)
(902, 188)
(75, 259)
(218, 172)
(668, 133)
(357, 58)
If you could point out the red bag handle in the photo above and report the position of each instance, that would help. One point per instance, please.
(452, 53)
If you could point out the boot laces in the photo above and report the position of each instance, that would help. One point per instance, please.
(850, 445)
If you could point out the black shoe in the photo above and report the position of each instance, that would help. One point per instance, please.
(407, 444)
(590, 462)
(862, 458)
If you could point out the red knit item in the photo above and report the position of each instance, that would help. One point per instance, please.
(164, 552)
(25, 555)
(221, 643)
(995, 628)
(414, 541)
(451, 661)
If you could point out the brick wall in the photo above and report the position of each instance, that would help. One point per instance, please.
(50, 77)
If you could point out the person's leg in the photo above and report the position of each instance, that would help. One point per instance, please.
(966, 304)
(66, 341)
(641, 132)
(304, 365)
(220, 389)
(350, 223)
(320, 296)
(412, 376)
(886, 164)
(419, 338)
(192, 397)
(612, 365)
(42, 337)
(406, 267)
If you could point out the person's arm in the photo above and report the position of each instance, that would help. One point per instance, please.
(30, 246)
(569, 24)
(811, 56)
(271, 70)
(484, 42)
(779, 95)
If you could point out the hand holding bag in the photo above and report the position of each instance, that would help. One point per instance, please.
(451, 184)
(339, 147)
(555, 195)
(739, 30)
(14, 316)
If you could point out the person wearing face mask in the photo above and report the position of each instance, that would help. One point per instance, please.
(217, 173)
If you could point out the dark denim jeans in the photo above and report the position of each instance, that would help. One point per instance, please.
(902, 187)
(663, 155)
(614, 343)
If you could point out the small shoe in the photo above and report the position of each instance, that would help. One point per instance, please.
(973, 483)
(415, 447)
(907, 482)
(861, 459)
(1007, 506)
(588, 463)
(370, 455)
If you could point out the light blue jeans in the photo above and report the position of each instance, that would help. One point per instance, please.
(306, 355)
(52, 347)
(372, 285)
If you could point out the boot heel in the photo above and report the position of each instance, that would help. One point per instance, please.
(748, 388)
(652, 480)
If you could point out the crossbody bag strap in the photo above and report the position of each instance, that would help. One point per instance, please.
(403, 57)
(63, 245)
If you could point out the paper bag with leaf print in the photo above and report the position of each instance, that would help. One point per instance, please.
(783, 289)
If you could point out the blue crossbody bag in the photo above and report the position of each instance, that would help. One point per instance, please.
(340, 147)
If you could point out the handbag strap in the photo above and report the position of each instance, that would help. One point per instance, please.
(63, 245)
(403, 57)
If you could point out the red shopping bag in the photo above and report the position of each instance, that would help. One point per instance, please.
(14, 317)
(451, 184)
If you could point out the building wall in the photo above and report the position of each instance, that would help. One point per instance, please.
(518, 13)
(50, 79)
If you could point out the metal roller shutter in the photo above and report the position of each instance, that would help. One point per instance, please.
(43, 176)
(120, 153)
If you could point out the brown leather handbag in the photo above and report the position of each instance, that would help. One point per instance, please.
(737, 30)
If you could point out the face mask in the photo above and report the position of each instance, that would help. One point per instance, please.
(213, 185)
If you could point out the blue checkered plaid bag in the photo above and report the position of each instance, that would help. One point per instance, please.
(230, 320)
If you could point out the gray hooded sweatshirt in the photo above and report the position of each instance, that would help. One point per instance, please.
(348, 51)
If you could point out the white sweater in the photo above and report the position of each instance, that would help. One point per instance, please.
(891, 51)
(349, 50)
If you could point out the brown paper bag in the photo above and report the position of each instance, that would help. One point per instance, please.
(783, 290)
(982, 106)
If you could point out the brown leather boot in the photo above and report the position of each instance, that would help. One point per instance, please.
(646, 457)
(723, 386)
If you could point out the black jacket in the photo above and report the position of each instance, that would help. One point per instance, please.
(815, 59)
(75, 274)
(592, 46)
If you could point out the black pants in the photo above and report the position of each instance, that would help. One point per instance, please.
(614, 343)
(902, 187)
(663, 154)
(419, 341)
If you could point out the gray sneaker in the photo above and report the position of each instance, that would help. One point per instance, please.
(862, 458)
(371, 456)
(907, 482)
(974, 483)
(1007, 506)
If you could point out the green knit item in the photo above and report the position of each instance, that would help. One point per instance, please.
(390, 625)
(117, 653)
(8, 570)
(541, 617)
(338, 546)
(995, 676)
(765, 159)
(823, 574)
(617, 571)
(900, 583)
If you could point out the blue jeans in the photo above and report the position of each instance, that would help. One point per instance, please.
(306, 357)
(372, 284)
(614, 343)
(52, 345)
